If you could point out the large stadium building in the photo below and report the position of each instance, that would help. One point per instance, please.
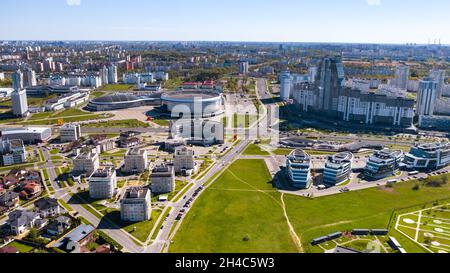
(118, 101)
(193, 103)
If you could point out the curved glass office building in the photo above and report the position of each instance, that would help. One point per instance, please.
(383, 164)
(429, 156)
(338, 168)
(298, 168)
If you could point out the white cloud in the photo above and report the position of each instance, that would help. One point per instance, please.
(373, 2)
(73, 2)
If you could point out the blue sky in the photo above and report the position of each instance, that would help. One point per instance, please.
(371, 21)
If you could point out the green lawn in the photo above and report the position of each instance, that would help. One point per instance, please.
(226, 213)
(128, 123)
(230, 210)
(117, 87)
(281, 151)
(161, 122)
(370, 208)
(284, 151)
(254, 149)
(22, 248)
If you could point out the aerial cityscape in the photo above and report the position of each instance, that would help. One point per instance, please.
(230, 145)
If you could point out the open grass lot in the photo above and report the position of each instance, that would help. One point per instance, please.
(21, 247)
(117, 87)
(127, 123)
(370, 208)
(162, 122)
(254, 149)
(231, 210)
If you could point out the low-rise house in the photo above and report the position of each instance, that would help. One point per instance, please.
(76, 239)
(9, 182)
(129, 139)
(9, 199)
(20, 177)
(30, 191)
(20, 221)
(58, 226)
(47, 207)
(102, 143)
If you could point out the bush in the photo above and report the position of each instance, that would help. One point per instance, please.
(114, 245)
(416, 187)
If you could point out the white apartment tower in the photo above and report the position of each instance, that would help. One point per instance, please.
(136, 205)
(103, 183)
(19, 103)
(30, 78)
(401, 77)
(104, 75)
(17, 80)
(112, 74)
(285, 85)
(136, 161)
(439, 77)
(426, 98)
(183, 160)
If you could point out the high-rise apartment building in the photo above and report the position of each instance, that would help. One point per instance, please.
(439, 77)
(426, 98)
(285, 85)
(401, 77)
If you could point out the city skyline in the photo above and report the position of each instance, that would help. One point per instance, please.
(379, 21)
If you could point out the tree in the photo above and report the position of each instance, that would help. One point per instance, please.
(33, 234)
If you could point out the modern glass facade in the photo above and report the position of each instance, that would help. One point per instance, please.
(299, 169)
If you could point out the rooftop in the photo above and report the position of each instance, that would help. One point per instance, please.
(135, 192)
(24, 130)
(299, 156)
(104, 171)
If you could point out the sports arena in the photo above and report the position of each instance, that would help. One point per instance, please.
(199, 103)
(118, 101)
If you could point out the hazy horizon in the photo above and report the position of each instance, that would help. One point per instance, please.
(271, 21)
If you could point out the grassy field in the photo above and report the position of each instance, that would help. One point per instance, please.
(162, 122)
(22, 248)
(117, 87)
(231, 216)
(232, 209)
(127, 123)
(254, 149)
(370, 208)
